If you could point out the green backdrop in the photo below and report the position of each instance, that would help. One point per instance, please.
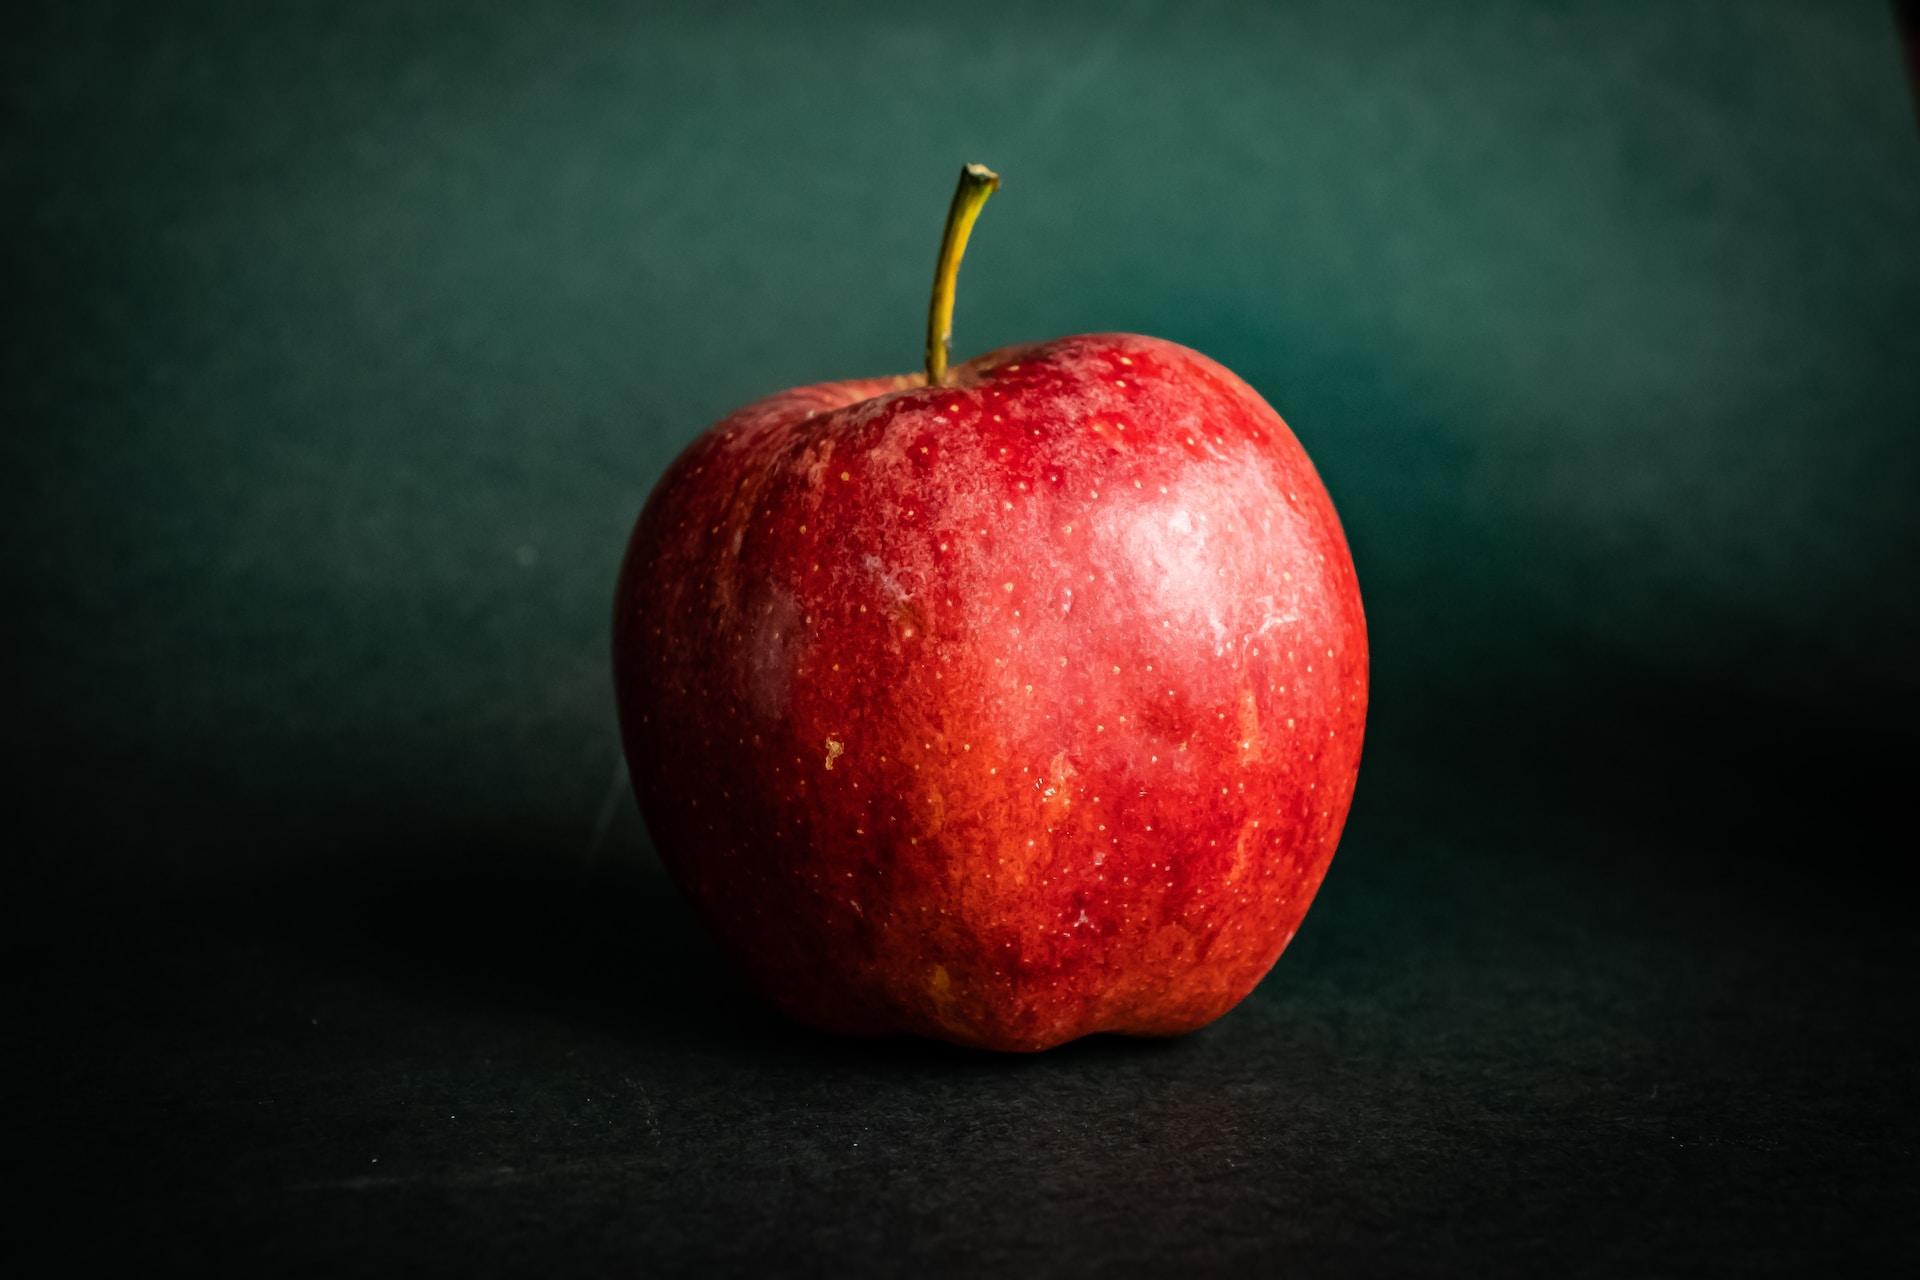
(346, 340)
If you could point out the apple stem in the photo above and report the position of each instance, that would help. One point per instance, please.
(977, 182)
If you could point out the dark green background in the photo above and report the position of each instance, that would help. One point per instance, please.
(344, 342)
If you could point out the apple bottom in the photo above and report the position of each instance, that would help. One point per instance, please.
(930, 919)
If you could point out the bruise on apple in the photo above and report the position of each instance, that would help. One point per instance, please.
(1002, 712)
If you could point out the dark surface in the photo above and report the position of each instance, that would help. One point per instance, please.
(344, 345)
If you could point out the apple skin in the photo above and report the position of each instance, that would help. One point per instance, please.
(1003, 712)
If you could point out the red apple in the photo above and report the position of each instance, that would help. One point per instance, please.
(1002, 706)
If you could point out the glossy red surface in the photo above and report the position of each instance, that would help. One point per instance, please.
(1003, 712)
